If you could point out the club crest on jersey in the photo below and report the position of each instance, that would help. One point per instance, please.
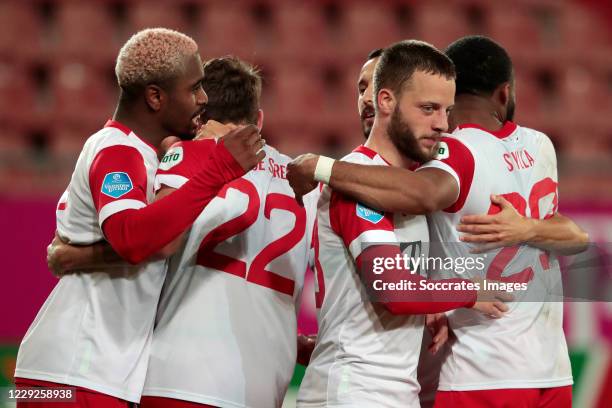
(442, 152)
(369, 214)
(116, 184)
(173, 157)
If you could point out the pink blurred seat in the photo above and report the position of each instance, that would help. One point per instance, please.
(291, 140)
(295, 96)
(529, 104)
(367, 27)
(227, 28)
(156, 13)
(82, 93)
(13, 144)
(21, 34)
(582, 28)
(302, 33)
(515, 29)
(585, 96)
(440, 23)
(86, 30)
(17, 94)
(67, 139)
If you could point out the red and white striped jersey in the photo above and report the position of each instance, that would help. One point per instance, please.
(227, 320)
(365, 356)
(94, 331)
(526, 348)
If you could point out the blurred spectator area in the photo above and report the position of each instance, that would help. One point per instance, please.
(57, 82)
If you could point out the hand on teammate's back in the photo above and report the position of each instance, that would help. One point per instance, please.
(491, 231)
(437, 324)
(246, 145)
(491, 303)
(300, 174)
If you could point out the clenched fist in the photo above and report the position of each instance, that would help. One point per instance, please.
(300, 174)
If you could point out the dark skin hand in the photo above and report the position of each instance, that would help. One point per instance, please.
(558, 234)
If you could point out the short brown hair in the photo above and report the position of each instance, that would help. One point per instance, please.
(233, 88)
(399, 61)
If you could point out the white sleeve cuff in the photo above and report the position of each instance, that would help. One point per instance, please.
(117, 206)
(372, 237)
(170, 180)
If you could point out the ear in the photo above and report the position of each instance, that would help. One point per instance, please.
(386, 101)
(503, 93)
(260, 119)
(155, 97)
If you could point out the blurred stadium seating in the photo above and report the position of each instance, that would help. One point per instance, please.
(57, 86)
(57, 59)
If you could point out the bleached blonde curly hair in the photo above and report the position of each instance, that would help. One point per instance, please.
(153, 55)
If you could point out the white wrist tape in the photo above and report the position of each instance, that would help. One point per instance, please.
(324, 169)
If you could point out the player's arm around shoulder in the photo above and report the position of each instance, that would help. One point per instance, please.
(556, 233)
(173, 246)
(386, 188)
(181, 161)
(63, 258)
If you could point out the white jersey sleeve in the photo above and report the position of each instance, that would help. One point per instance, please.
(94, 330)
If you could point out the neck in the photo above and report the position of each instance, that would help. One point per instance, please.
(477, 110)
(381, 143)
(140, 123)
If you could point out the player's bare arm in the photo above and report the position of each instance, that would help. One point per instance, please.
(386, 188)
(63, 258)
(558, 233)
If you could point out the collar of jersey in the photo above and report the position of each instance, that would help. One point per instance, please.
(120, 126)
(505, 131)
(369, 152)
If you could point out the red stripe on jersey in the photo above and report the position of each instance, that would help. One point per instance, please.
(506, 130)
(118, 159)
(127, 131)
(117, 125)
(318, 269)
(365, 151)
(461, 160)
(368, 152)
(345, 222)
(194, 154)
(62, 206)
(555, 397)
